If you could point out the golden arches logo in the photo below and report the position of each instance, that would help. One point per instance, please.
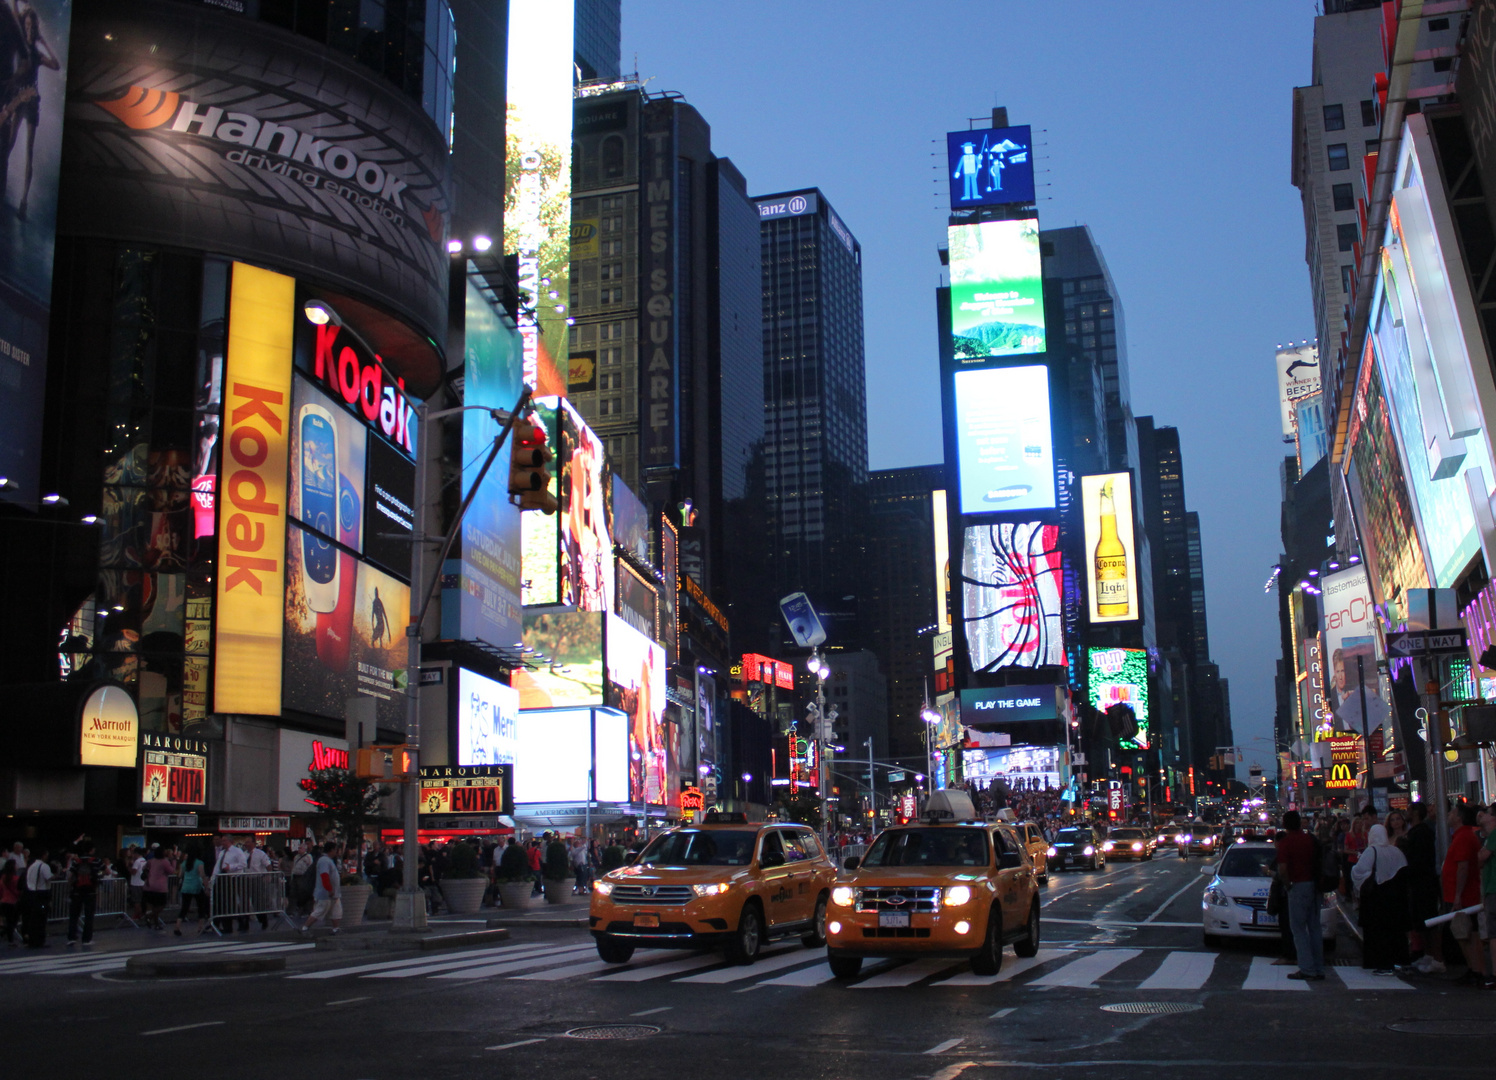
(1341, 775)
(141, 108)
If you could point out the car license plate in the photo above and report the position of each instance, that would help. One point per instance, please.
(1262, 918)
(643, 920)
(894, 919)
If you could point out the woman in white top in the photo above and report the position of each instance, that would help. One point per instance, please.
(1380, 877)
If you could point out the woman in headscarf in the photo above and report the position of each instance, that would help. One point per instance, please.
(1380, 877)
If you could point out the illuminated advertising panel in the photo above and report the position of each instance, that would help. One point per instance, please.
(1120, 676)
(990, 166)
(487, 715)
(1012, 585)
(541, 533)
(37, 37)
(942, 563)
(564, 654)
(1022, 768)
(628, 519)
(537, 179)
(997, 289)
(586, 547)
(467, 789)
(488, 607)
(553, 754)
(1003, 441)
(636, 687)
(1345, 763)
(343, 631)
(670, 590)
(1350, 636)
(1298, 378)
(108, 726)
(638, 600)
(1008, 705)
(173, 771)
(1111, 548)
(252, 544)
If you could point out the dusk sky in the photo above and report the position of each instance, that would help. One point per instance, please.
(1165, 127)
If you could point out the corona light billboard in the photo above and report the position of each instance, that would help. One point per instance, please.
(1111, 557)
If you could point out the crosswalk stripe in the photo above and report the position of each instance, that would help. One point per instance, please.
(791, 958)
(814, 975)
(435, 964)
(1358, 978)
(1264, 976)
(1018, 967)
(675, 967)
(905, 974)
(1084, 972)
(1181, 971)
(512, 966)
(387, 965)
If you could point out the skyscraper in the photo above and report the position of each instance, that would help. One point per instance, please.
(599, 29)
(815, 402)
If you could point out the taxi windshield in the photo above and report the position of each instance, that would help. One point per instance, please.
(1248, 862)
(1074, 836)
(693, 847)
(929, 847)
(1127, 834)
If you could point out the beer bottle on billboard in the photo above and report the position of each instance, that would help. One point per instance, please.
(1112, 598)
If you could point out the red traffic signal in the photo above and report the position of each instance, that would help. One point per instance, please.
(529, 480)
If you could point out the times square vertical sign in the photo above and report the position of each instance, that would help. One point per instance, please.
(658, 345)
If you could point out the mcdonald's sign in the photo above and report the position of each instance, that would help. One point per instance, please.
(1345, 763)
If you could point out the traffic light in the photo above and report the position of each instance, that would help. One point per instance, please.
(529, 479)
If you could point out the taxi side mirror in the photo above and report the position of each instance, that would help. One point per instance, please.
(630, 858)
(1207, 871)
(771, 858)
(851, 862)
(1009, 860)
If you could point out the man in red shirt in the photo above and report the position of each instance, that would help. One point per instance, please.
(1297, 870)
(1461, 881)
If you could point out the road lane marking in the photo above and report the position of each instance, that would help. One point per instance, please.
(773, 963)
(512, 1045)
(185, 1027)
(1002, 1013)
(1083, 973)
(1194, 883)
(1043, 956)
(942, 1047)
(1181, 971)
(656, 971)
(905, 975)
(814, 975)
(1264, 976)
(348, 1001)
(1358, 978)
(651, 1012)
(396, 965)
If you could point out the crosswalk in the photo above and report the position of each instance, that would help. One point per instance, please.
(71, 962)
(1057, 968)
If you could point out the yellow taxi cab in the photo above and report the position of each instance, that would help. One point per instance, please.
(1032, 838)
(724, 882)
(948, 884)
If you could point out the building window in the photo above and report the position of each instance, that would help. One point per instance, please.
(1339, 156)
(1368, 114)
(612, 157)
(1345, 198)
(1443, 63)
(1373, 145)
(1334, 117)
(1347, 279)
(1347, 235)
(1435, 25)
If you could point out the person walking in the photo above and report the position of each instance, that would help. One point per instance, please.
(303, 880)
(194, 891)
(84, 871)
(35, 901)
(10, 899)
(230, 860)
(1423, 890)
(1460, 878)
(1486, 920)
(1381, 880)
(328, 893)
(257, 861)
(158, 871)
(135, 861)
(532, 852)
(1298, 867)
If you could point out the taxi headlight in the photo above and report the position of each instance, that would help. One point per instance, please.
(712, 889)
(957, 895)
(1088, 850)
(1052, 852)
(1207, 841)
(1185, 838)
(1137, 845)
(602, 888)
(1107, 846)
(843, 896)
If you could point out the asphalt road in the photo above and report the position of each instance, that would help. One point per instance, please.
(1128, 936)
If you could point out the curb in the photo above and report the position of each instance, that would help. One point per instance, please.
(544, 922)
(181, 966)
(392, 942)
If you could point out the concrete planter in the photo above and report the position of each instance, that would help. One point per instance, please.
(463, 896)
(515, 895)
(355, 900)
(559, 892)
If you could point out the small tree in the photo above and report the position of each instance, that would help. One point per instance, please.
(803, 807)
(347, 800)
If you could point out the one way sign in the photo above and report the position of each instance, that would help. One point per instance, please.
(1419, 642)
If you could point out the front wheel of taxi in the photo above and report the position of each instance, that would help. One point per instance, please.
(816, 939)
(989, 958)
(845, 967)
(612, 951)
(1029, 946)
(743, 946)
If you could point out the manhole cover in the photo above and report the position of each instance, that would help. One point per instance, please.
(1151, 1008)
(613, 1031)
(1442, 1027)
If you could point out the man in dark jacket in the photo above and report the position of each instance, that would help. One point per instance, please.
(1423, 888)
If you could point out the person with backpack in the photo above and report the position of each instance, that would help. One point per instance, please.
(194, 890)
(1299, 869)
(84, 872)
(1381, 880)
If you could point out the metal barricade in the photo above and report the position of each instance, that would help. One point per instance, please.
(850, 850)
(238, 896)
(112, 898)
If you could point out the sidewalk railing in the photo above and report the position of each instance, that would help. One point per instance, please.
(238, 896)
(113, 899)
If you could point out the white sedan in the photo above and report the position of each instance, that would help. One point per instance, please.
(1235, 902)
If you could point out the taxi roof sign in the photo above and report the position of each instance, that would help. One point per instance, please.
(951, 805)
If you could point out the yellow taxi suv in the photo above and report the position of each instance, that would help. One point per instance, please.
(724, 883)
(946, 885)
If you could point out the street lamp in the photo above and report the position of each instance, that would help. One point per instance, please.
(931, 718)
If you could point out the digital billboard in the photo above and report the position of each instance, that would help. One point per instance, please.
(628, 519)
(540, 578)
(36, 37)
(487, 719)
(940, 513)
(329, 457)
(586, 547)
(997, 289)
(1349, 621)
(1009, 704)
(173, 771)
(990, 166)
(1120, 676)
(636, 687)
(638, 600)
(564, 658)
(1003, 442)
(1012, 587)
(488, 608)
(557, 748)
(1298, 378)
(1022, 768)
(1111, 554)
(537, 179)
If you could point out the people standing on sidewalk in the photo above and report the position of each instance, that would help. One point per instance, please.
(10, 899)
(1381, 881)
(328, 893)
(135, 861)
(1423, 889)
(194, 891)
(84, 871)
(1298, 866)
(1486, 921)
(158, 872)
(303, 879)
(1460, 879)
(35, 901)
(257, 861)
(230, 860)
(532, 853)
